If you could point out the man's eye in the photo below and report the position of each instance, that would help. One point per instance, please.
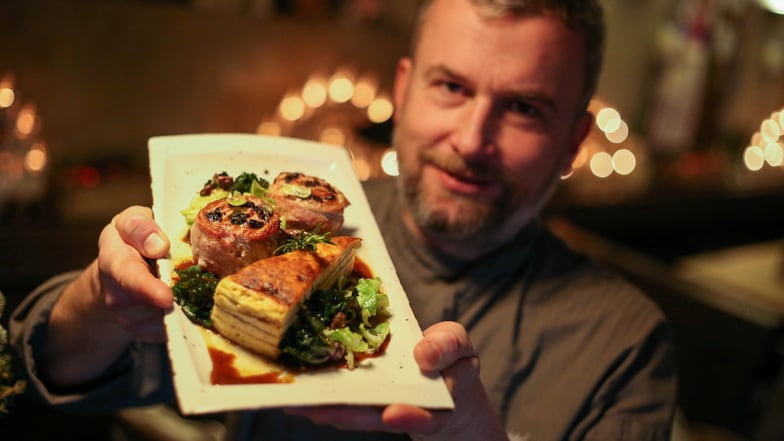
(523, 108)
(452, 88)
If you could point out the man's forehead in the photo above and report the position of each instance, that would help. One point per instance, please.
(511, 56)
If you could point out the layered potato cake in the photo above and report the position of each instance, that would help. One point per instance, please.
(256, 305)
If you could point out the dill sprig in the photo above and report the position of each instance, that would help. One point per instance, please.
(305, 240)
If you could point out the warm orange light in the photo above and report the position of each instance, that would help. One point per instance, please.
(770, 130)
(601, 164)
(364, 94)
(332, 135)
(362, 169)
(25, 122)
(292, 108)
(753, 158)
(269, 128)
(624, 161)
(774, 154)
(6, 97)
(619, 135)
(380, 110)
(341, 89)
(35, 160)
(314, 92)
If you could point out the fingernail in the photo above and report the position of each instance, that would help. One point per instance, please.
(154, 245)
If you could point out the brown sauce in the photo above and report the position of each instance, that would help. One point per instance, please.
(184, 264)
(379, 352)
(362, 269)
(224, 371)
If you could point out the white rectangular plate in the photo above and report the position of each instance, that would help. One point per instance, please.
(179, 167)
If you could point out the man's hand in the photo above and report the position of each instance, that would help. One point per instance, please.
(134, 296)
(115, 300)
(447, 349)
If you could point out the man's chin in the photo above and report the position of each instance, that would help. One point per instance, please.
(449, 216)
(458, 225)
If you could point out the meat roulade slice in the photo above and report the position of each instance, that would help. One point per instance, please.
(306, 202)
(231, 233)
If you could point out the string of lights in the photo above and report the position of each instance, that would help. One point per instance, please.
(23, 153)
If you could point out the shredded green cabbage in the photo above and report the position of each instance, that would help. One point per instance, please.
(363, 329)
(370, 298)
(353, 341)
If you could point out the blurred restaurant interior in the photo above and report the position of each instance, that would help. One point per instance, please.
(680, 186)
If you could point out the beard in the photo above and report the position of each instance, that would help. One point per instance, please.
(448, 217)
(443, 213)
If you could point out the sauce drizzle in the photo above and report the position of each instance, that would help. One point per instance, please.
(224, 371)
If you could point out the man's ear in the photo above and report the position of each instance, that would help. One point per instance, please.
(402, 77)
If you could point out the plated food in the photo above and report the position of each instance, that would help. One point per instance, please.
(244, 293)
(264, 275)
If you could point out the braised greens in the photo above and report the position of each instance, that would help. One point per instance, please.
(194, 292)
(249, 183)
(338, 324)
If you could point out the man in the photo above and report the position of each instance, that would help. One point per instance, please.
(491, 109)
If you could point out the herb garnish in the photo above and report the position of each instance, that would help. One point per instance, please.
(306, 240)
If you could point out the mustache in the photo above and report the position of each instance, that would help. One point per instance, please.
(460, 166)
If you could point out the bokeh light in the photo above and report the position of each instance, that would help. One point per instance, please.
(380, 110)
(364, 93)
(601, 164)
(341, 89)
(333, 135)
(314, 93)
(35, 159)
(767, 144)
(269, 128)
(775, 6)
(389, 162)
(25, 122)
(292, 108)
(608, 120)
(620, 134)
(774, 155)
(6, 96)
(362, 169)
(624, 162)
(753, 158)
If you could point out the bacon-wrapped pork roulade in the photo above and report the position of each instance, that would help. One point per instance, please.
(231, 233)
(307, 202)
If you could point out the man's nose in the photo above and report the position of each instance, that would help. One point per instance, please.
(474, 129)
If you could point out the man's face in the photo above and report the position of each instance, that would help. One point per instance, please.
(488, 117)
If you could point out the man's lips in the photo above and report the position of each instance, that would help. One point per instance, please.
(469, 185)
